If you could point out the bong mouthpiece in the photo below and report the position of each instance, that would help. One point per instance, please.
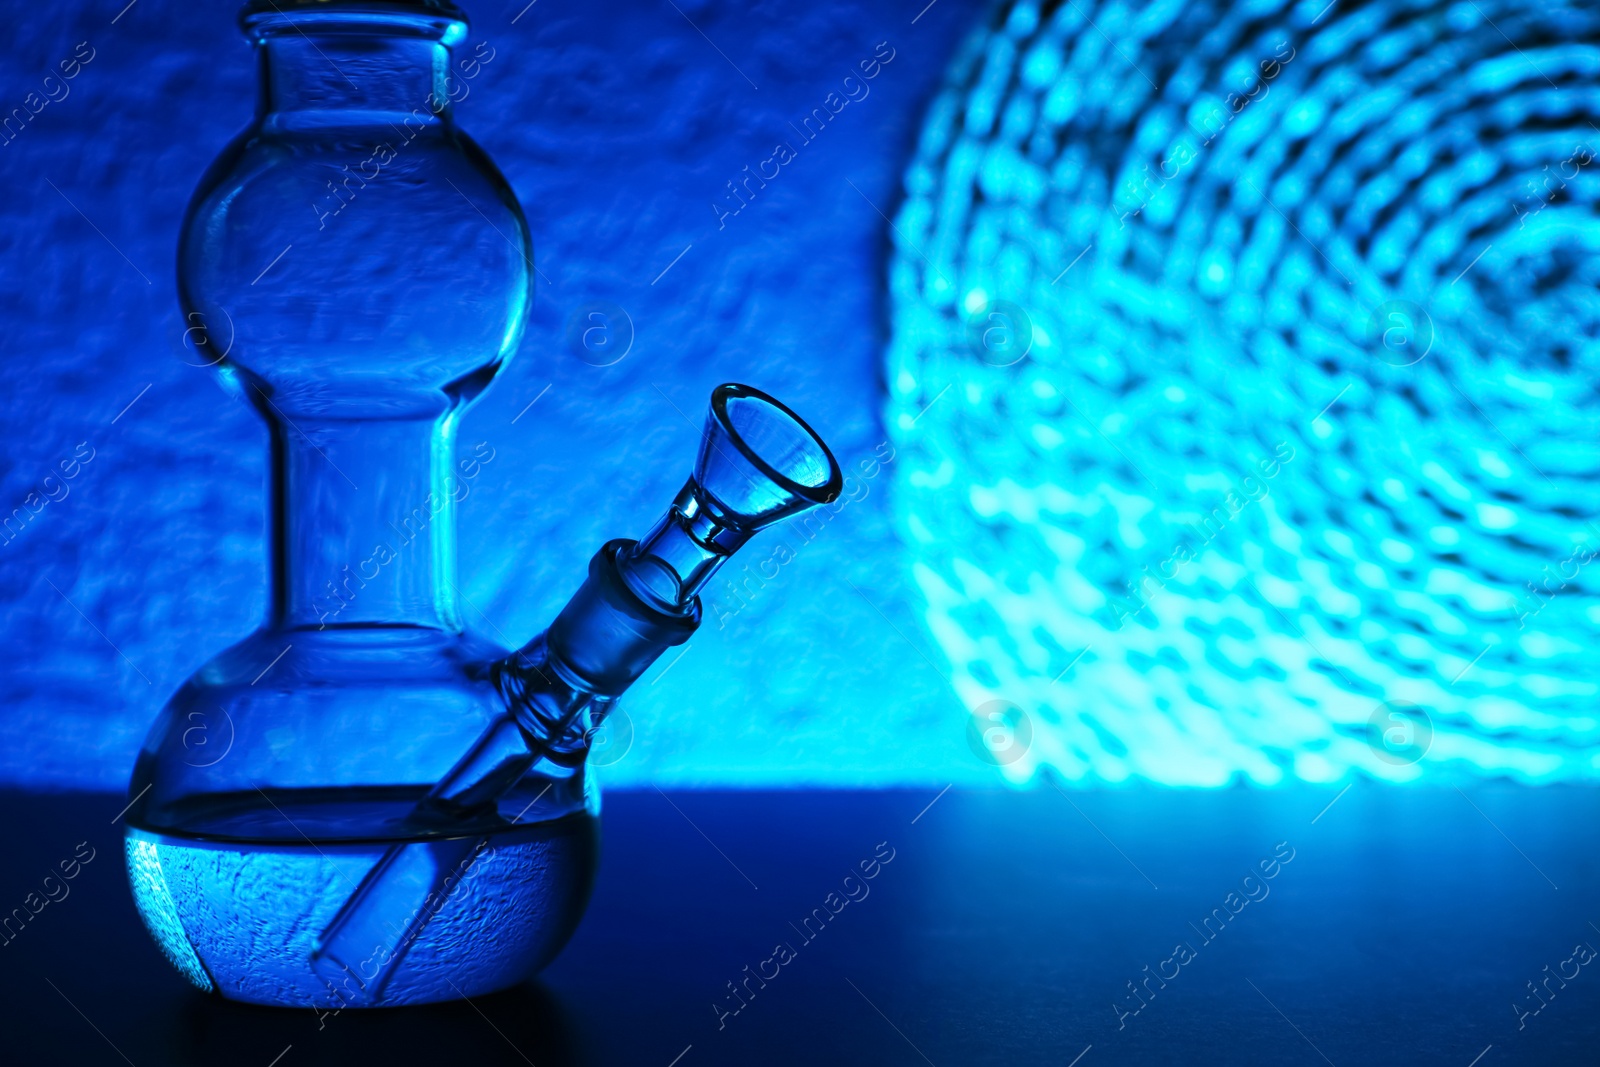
(758, 463)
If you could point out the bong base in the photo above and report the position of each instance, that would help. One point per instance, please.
(240, 918)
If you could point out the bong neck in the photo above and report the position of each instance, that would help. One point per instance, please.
(364, 522)
(335, 79)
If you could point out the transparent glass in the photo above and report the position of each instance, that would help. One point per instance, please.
(362, 802)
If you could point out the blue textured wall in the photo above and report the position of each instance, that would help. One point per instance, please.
(618, 125)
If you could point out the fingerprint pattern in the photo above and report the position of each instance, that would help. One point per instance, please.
(1243, 369)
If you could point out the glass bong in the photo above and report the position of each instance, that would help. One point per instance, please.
(363, 803)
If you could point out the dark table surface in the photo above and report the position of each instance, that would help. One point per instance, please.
(1406, 928)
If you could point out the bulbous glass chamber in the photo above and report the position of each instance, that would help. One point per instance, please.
(354, 267)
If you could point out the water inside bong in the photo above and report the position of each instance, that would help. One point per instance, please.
(238, 899)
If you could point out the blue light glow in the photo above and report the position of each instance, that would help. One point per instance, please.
(159, 912)
(1317, 435)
